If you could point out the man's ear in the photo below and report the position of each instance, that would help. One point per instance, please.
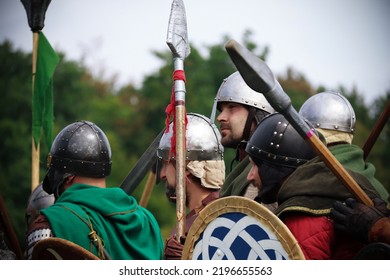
(69, 179)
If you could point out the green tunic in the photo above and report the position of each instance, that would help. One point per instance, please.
(236, 182)
(127, 230)
(351, 157)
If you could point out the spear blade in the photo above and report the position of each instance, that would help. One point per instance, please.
(177, 38)
(36, 11)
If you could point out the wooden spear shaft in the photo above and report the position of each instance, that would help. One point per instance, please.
(35, 149)
(383, 118)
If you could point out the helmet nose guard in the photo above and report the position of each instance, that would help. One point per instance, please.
(202, 140)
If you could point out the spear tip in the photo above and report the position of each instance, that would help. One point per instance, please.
(36, 11)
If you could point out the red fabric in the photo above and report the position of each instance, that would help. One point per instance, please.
(171, 112)
(318, 240)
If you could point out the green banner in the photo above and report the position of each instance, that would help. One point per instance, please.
(42, 101)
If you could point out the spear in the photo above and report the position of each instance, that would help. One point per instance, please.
(42, 109)
(379, 125)
(260, 78)
(178, 43)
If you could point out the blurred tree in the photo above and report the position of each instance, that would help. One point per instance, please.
(132, 117)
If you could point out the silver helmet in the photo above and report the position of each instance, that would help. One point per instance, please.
(235, 89)
(329, 110)
(39, 199)
(204, 153)
(203, 140)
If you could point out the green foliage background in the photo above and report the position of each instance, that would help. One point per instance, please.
(132, 117)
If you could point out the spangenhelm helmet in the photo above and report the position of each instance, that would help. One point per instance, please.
(329, 110)
(204, 151)
(81, 148)
(276, 142)
(203, 140)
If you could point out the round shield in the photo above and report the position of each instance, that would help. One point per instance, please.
(238, 228)
(54, 248)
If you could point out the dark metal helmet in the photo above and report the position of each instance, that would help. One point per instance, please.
(81, 148)
(276, 142)
(329, 110)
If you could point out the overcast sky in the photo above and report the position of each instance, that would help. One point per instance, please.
(331, 42)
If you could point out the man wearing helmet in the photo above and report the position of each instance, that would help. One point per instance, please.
(205, 172)
(303, 186)
(105, 221)
(333, 116)
(241, 109)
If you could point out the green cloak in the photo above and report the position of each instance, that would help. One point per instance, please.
(127, 230)
(351, 157)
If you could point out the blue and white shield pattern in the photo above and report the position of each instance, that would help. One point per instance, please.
(236, 236)
(237, 228)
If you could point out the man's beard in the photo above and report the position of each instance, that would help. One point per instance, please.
(230, 142)
(170, 194)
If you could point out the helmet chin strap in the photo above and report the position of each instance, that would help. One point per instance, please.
(240, 150)
(53, 182)
(57, 191)
(248, 125)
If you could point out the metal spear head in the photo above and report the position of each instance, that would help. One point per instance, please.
(258, 75)
(36, 11)
(260, 78)
(177, 39)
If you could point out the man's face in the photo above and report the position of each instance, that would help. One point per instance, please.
(232, 120)
(168, 174)
(253, 175)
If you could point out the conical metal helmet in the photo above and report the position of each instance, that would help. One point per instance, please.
(203, 140)
(234, 89)
(329, 110)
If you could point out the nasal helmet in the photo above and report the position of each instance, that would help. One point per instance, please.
(234, 89)
(82, 149)
(203, 140)
(204, 151)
